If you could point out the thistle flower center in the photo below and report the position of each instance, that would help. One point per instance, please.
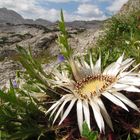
(93, 85)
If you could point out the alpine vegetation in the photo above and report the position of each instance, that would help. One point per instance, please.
(84, 83)
(78, 95)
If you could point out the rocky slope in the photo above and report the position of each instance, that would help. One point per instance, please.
(130, 6)
(41, 35)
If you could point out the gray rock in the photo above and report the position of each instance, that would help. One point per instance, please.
(130, 7)
(46, 41)
(41, 35)
(8, 71)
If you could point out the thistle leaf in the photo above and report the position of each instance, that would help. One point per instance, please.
(87, 133)
(65, 49)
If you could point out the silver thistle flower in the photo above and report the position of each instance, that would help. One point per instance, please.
(89, 84)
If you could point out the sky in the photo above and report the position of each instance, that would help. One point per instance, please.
(73, 9)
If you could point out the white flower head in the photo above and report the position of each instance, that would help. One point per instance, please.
(90, 82)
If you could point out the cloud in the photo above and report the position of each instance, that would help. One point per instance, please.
(33, 9)
(116, 5)
(103, 0)
(65, 1)
(18, 5)
(85, 12)
(89, 10)
(72, 17)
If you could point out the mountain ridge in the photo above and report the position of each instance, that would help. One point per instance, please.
(8, 16)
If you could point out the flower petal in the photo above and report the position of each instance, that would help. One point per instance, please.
(61, 107)
(97, 115)
(127, 61)
(54, 110)
(130, 80)
(91, 63)
(67, 111)
(105, 114)
(114, 70)
(86, 112)
(132, 89)
(126, 65)
(84, 63)
(97, 66)
(79, 115)
(108, 68)
(56, 104)
(126, 100)
(114, 100)
(123, 74)
(119, 86)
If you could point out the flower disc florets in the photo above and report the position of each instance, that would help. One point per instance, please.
(93, 85)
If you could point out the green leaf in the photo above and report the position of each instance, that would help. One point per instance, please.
(25, 133)
(128, 137)
(86, 130)
(34, 69)
(87, 133)
(65, 48)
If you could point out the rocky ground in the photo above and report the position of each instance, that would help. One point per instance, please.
(41, 35)
(41, 39)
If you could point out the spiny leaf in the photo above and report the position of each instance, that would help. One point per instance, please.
(128, 137)
(34, 69)
(87, 133)
(65, 49)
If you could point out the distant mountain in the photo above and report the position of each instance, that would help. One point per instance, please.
(44, 22)
(84, 24)
(10, 16)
